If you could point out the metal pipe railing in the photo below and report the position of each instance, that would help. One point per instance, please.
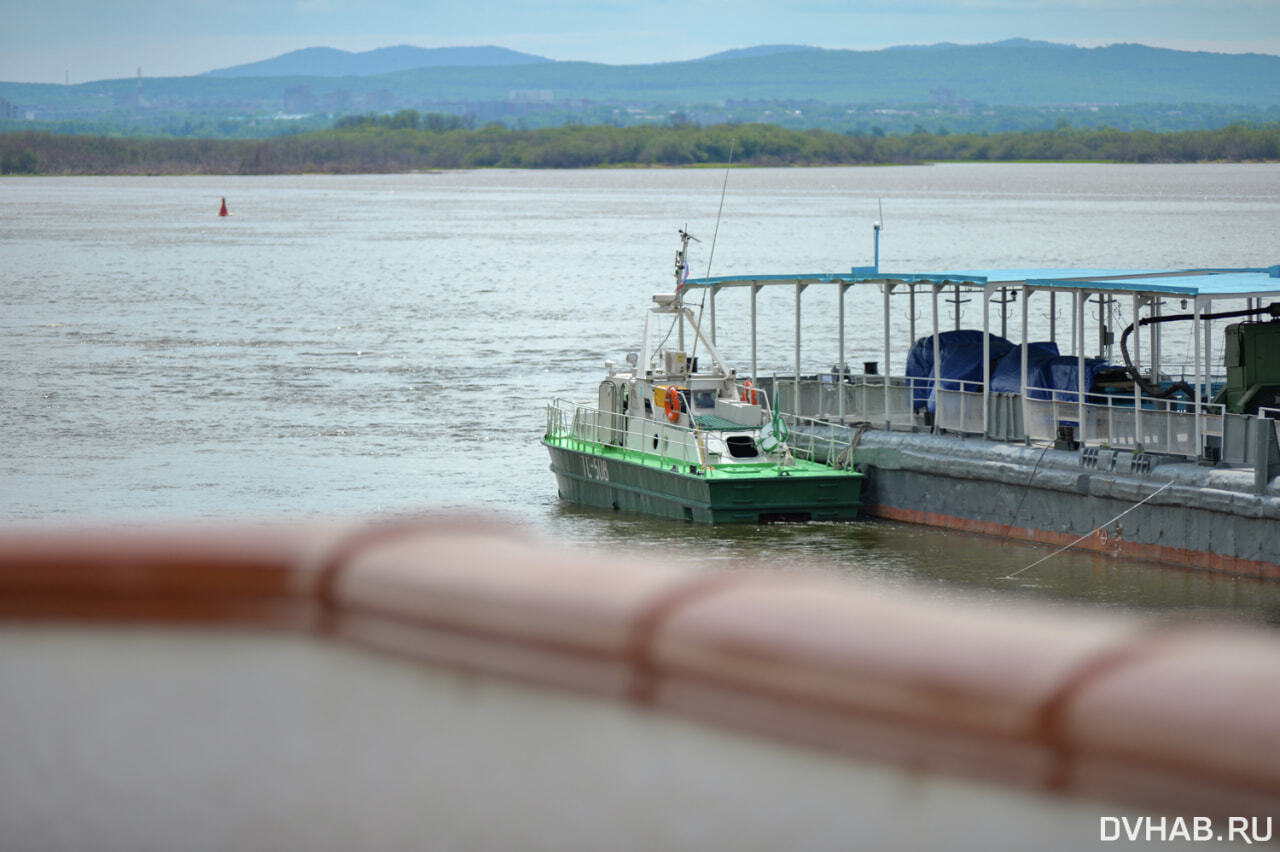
(804, 439)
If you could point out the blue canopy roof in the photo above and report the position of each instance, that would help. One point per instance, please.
(1213, 283)
(1190, 282)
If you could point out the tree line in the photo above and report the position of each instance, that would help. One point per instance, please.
(408, 141)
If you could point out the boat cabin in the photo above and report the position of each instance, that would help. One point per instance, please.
(669, 391)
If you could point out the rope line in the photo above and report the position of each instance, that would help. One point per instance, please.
(1089, 533)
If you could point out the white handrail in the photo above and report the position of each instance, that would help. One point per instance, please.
(583, 415)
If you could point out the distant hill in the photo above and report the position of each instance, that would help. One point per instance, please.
(1015, 84)
(330, 62)
(1009, 42)
(983, 74)
(759, 50)
(1010, 75)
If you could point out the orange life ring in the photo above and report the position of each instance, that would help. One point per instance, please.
(748, 392)
(672, 403)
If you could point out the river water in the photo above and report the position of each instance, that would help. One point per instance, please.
(372, 345)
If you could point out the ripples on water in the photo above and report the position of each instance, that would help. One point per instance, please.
(374, 344)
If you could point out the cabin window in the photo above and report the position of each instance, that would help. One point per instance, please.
(704, 398)
(742, 446)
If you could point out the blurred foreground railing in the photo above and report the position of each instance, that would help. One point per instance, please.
(568, 697)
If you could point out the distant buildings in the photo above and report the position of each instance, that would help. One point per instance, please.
(529, 96)
(378, 101)
(298, 100)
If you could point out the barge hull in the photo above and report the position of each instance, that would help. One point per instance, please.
(604, 482)
(1179, 515)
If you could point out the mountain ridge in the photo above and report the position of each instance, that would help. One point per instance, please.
(322, 61)
(1007, 85)
(332, 62)
(996, 75)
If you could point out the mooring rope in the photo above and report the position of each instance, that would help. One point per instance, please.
(1089, 533)
(1026, 489)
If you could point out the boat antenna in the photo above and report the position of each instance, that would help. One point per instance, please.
(682, 273)
(682, 257)
(714, 235)
(723, 186)
(878, 227)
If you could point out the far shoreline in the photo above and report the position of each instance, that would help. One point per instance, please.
(377, 148)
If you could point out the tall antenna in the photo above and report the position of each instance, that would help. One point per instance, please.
(879, 225)
(682, 257)
(712, 254)
(723, 187)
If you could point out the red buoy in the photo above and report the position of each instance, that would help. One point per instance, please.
(223, 211)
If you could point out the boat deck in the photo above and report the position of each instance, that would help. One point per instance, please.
(802, 468)
(716, 423)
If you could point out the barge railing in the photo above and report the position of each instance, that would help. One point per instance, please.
(858, 398)
(1161, 425)
(1165, 426)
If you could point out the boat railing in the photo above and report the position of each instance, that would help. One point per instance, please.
(555, 420)
(820, 440)
(748, 391)
(811, 438)
(584, 427)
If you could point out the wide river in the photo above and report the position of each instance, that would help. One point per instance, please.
(373, 345)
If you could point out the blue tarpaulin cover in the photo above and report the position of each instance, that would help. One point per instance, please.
(961, 354)
(1064, 372)
(1007, 375)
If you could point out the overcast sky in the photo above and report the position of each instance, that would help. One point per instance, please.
(49, 41)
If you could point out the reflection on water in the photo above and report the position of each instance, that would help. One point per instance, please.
(940, 562)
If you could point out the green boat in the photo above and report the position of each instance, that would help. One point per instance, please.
(671, 438)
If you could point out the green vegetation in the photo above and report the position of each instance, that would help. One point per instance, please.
(408, 141)
(124, 124)
(874, 118)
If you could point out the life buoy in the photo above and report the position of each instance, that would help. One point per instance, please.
(672, 403)
(748, 392)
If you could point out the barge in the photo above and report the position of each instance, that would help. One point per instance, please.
(1019, 421)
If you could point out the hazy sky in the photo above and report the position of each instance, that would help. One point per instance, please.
(52, 40)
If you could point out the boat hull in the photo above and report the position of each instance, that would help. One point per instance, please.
(607, 482)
